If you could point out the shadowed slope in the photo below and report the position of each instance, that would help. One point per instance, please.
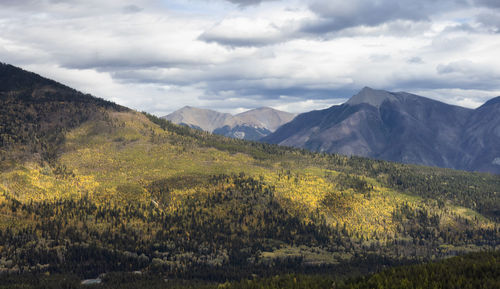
(400, 127)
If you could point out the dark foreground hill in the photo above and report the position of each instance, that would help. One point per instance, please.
(401, 127)
(35, 112)
(475, 270)
(123, 191)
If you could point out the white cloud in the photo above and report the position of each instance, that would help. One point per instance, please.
(244, 32)
(294, 55)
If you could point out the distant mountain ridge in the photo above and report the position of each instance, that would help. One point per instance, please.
(204, 119)
(251, 125)
(401, 127)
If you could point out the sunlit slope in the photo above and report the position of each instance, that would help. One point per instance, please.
(117, 158)
(131, 149)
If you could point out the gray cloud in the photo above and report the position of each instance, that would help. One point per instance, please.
(126, 60)
(34, 4)
(437, 83)
(331, 19)
(459, 75)
(469, 70)
(242, 40)
(490, 20)
(335, 16)
(132, 9)
(416, 60)
(262, 92)
(17, 2)
(488, 3)
(248, 2)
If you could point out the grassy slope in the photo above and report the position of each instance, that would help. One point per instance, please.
(115, 159)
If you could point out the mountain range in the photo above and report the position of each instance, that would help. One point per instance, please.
(401, 127)
(91, 191)
(250, 125)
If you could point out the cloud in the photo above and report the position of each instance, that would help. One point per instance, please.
(468, 74)
(488, 3)
(132, 9)
(416, 60)
(461, 67)
(248, 2)
(325, 20)
(244, 32)
(296, 55)
(490, 21)
(12, 3)
(117, 42)
(337, 15)
(256, 29)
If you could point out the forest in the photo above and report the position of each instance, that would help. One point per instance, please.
(474, 270)
(90, 189)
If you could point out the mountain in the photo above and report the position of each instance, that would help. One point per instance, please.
(264, 117)
(198, 118)
(35, 112)
(250, 125)
(93, 190)
(481, 138)
(400, 127)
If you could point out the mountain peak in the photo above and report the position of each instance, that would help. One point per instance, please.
(266, 117)
(15, 78)
(205, 119)
(191, 108)
(491, 102)
(371, 96)
(262, 119)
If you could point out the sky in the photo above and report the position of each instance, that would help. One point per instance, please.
(235, 55)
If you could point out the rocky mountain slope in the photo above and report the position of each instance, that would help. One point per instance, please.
(251, 125)
(401, 127)
(198, 118)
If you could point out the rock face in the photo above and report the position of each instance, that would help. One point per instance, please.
(204, 119)
(481, 138)
(401, 127)
(263, 117)
(251, 125)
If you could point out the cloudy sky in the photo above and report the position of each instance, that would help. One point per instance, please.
(233, 55)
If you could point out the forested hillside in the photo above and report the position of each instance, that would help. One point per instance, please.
(88, 187)
(36, 112)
